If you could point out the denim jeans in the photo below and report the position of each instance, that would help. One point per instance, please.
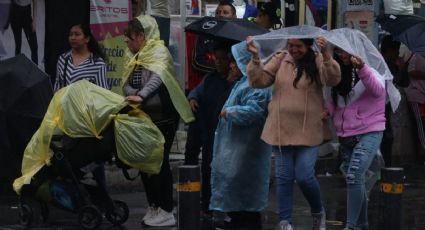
(296, 163)
(356, 162)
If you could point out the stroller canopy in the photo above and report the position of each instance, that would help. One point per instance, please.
(84, 110)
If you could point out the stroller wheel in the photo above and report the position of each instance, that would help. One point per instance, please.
(25, 215)
(44, 208)
(89, 217)
(119, 214)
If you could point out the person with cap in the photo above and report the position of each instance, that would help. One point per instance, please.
(269, 16)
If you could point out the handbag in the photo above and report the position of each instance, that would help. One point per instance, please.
(153, 106)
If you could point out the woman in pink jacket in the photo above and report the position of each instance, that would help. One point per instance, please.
(358, 111)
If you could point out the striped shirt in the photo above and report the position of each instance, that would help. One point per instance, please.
(93, 70)
(142, 83)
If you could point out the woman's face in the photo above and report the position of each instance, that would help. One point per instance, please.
(344, 56)
(135, 42)
(77, 39)
(297, 49)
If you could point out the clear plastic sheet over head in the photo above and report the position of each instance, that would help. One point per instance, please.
(352, 41)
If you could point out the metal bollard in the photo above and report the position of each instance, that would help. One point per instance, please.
(188, 193)
(392, 187)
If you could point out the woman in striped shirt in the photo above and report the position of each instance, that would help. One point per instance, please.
(84, 61)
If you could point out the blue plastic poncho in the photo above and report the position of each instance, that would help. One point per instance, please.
(241, 160)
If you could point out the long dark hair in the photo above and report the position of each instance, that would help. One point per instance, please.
(93, 46)
(307, 64)
(346, 84)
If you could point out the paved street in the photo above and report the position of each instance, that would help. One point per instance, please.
(333, 192)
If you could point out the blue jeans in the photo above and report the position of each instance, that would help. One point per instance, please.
(356, 162)
(296, 163)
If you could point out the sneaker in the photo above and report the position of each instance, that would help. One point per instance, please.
(319, 221)
(284, 225)
(162, 218)
(151, 211)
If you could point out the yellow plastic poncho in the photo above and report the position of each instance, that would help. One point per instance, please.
(83, 109)
(155, 57)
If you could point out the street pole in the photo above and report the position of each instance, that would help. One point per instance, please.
(188, 193)
(392, 187)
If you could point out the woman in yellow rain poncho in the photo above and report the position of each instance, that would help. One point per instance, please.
(150, 82)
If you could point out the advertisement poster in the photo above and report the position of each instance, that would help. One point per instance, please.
(210, 9)
(354, 5)
(22, 29)
(361, 20)
(108, 20)
(193, 8)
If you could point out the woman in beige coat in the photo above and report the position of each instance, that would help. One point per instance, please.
(294, 126)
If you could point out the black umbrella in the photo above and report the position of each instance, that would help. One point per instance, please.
(408, 29)
(233, 29)
(25, 93)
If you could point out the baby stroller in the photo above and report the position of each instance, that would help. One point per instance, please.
(99, 126)
(60, 183)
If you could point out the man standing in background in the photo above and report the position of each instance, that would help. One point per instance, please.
(160, 10)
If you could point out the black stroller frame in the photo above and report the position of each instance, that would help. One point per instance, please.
(91, 202)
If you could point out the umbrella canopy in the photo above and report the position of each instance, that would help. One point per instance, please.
(408, 29)
(233, 29)
(25, 89)
(277, 39)
(25, 93)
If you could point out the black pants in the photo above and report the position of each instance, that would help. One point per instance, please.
(206, 177)
(159, 187)
(20, 19)
(193, 144)
(164, 28)
(388, 138)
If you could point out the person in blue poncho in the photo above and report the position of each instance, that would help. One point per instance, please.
(241, 160)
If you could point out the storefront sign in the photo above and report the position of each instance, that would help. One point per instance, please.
(361, 20)
(108, 19)
(354, 5)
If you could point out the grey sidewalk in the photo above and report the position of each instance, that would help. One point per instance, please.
(333, 195)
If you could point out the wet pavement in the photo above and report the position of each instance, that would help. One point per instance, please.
(333, 195)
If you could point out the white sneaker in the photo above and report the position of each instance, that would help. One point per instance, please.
(319, 221)
(151, 211)
(284, 225)
(162, 218)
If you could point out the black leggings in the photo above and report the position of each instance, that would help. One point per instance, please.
(20, 19)
(159, 187)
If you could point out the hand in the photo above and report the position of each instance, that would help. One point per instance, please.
(357, 62)
(223, 114)
(251, 46)
(134, 99)
(194, 105)
(322, 43)
(234, 73)
(326, 115)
